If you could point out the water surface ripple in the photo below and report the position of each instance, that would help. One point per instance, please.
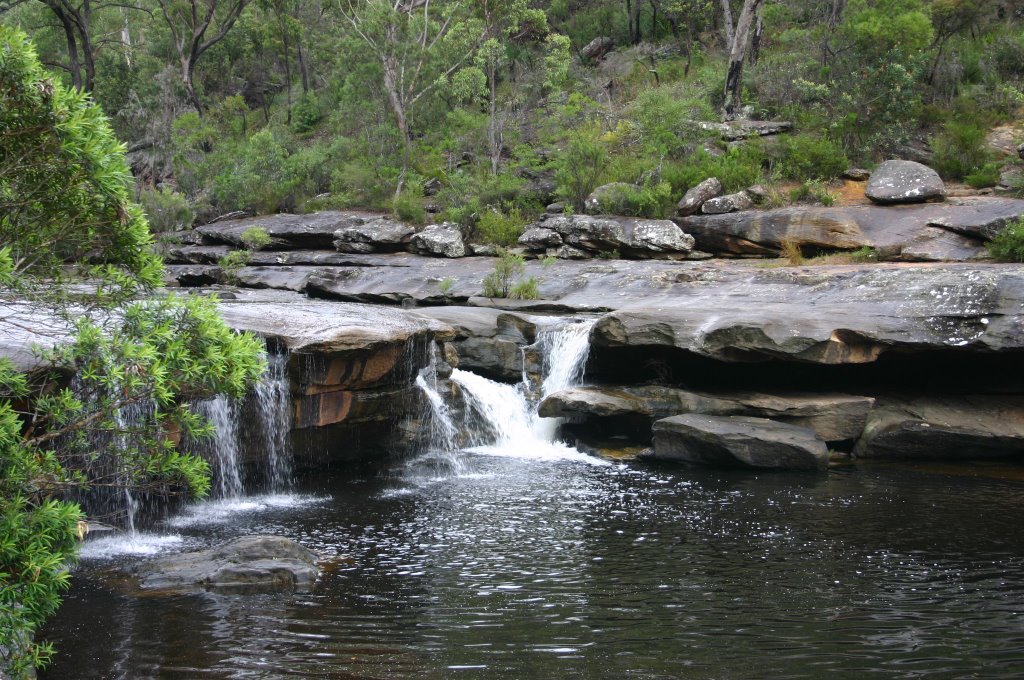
(557, 569)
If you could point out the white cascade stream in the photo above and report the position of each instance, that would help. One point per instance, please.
(501, 419)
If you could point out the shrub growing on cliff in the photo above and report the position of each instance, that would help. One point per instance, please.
(581, 168)
(66, 218)
(501, 229)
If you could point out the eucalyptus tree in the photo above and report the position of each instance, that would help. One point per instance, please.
(418, 45)
(195, 27)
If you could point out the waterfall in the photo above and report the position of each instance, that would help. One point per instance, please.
(223, 447)
(501, 419)
(565, 350)
(273, 405)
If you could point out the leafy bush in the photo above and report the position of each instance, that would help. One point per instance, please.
(527, 289)
(409, 208)
(580, 168)
(256, 238)
(499, 228)
(232, 263)
(736, 169)
(652, 201)
(959, 149)
(987, 175)
(814, 191)
(306, 113)
(166, 209)
(499, 282)
(809, 157)
(1008, 245)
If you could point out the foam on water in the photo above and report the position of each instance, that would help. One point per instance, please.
(223, 510)
(136, 544)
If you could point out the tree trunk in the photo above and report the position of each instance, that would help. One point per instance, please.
(493, 138)
(69, 35)
(187, 69)
(303, 67)
(737, 54)
(727, 20)
(755, 42)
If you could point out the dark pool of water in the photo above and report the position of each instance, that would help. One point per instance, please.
(534, 569)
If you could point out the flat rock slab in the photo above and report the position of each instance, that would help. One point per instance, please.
(738, 441)
(930, 232)
(936, 428)
(317, 326)
(312, 231)
(828, 315)
(247, 565)
(833, 417)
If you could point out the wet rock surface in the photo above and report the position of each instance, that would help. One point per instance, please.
(833, 417)
(945, 427)
(247, 565)
(737, 441)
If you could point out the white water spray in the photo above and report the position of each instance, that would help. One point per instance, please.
(501, 420)
(273, 405)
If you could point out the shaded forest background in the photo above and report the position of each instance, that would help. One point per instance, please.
(470, 110)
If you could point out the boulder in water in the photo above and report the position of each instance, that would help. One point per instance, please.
(738, 441)
(247, 565)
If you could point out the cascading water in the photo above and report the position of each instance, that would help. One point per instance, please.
(501, 419)
(273, 405)
(223, 447)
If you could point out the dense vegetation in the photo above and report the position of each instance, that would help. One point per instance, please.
(303, 104)
(78, 273)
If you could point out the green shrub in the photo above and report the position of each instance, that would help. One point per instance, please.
(814, 191)
(736, 169)
(987, 175)
(806, 156)
(499, 228)
(580, 168)
(409, 208)
(305, 113)
(166, 209)
(959, 149)
(232, 263)
(256, 238)
(865, 254)
(1008, 245)
(446, 285)
(527, 289)
(499, 282)
(638, 201)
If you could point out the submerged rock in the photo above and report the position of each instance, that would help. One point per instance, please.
(738, 441)
(904, 182)
(251, 564)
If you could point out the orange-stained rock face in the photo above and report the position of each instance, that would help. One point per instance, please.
(315, 374)
(349, 406)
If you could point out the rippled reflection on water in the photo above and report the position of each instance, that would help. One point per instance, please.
(532, 569)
